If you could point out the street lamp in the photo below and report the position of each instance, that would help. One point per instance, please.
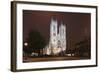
(26, 44)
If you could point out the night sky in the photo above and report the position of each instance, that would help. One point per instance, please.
(77, 24)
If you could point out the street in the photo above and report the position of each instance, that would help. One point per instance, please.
(52, 59)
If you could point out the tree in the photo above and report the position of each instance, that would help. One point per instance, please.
(83, 47)
(36, 41)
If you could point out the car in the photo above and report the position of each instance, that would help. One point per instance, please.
(34, 54)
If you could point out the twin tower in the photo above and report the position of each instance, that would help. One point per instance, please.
(57, 43)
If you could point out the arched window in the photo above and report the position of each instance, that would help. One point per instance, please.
(54, 28)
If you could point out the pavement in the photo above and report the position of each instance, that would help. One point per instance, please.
(38, 59)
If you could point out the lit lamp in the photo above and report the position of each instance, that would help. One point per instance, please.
(26, 44)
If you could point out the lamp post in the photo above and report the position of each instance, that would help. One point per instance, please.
(26, 46)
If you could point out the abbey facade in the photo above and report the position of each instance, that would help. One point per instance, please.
(57, 43)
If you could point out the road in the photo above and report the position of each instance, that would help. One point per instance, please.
(52, 59)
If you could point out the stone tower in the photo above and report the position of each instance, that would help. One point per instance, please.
(57, 43)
